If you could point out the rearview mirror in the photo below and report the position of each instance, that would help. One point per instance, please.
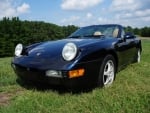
(129, 35)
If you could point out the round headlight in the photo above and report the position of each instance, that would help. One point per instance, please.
(69, 51)
(18, 49)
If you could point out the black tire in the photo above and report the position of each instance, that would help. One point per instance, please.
(101, 79)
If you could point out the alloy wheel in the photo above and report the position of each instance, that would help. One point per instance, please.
(108, 75)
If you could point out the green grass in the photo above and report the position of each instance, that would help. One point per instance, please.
(130, 93)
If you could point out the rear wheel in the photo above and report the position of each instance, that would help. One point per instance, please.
(138, 59)
(107, 71)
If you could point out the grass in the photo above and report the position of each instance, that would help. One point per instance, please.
(130, 93)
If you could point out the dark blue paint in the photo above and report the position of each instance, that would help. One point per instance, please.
(91, 51)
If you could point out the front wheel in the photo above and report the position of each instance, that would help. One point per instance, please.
(107, 71)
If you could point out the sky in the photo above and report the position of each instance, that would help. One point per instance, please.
(135, 13)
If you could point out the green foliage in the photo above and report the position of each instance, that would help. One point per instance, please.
(130, 93)
(13, 31)
(144, 32)
(128, 29)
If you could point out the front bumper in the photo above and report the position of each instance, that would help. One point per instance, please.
(35, 75)
(39, 76)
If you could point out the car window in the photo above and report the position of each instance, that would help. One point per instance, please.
(90, 30)
(109, 31)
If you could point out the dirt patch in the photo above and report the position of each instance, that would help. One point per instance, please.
(6, 97)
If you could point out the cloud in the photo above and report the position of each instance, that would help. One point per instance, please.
(23, 8)
(136, 14)
(129, 5)
(142, 13)
(121, 5)
(79, 4)
(130, 12)
(146, 19)
(104, 20)
(89, 15)
(9, 8)
(71, 20)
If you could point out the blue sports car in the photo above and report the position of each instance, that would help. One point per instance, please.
(90, 56)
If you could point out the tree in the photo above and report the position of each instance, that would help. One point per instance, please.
(145, 32)
(14, 31)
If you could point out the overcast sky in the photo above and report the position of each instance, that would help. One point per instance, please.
(135, 13)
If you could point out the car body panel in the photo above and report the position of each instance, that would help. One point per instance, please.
(39, 58)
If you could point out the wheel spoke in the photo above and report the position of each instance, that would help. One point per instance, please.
(108, 73)
(107, 80)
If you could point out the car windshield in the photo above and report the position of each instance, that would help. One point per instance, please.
(94, 31)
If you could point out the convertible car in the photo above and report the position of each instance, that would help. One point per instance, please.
(92, 55)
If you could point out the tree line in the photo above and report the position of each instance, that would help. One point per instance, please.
(144, 32)
(14, 31)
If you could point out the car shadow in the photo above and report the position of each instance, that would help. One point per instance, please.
(56, 88)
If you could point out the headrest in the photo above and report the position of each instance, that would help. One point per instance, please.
(97, 33)
(115, 32)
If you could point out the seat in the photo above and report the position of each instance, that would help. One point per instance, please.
(97, 33)
(115, 33)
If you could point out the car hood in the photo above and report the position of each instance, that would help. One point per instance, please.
(53, 48)
(48, 55)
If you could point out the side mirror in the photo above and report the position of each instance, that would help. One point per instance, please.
(129, 35)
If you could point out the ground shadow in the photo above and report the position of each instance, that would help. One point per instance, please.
(55, 88)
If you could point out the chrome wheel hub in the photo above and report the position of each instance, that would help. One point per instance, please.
(108, 75)
(139, 56)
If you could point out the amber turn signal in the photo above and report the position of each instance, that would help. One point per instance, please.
(76, 73)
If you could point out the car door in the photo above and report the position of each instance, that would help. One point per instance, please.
(126, 49)
(131, 47)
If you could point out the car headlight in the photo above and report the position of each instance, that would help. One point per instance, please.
(69, 51)
(18, 49)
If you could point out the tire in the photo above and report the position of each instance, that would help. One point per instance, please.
(107, 71)
(138, 57)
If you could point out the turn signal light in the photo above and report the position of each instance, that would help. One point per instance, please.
(76, 73)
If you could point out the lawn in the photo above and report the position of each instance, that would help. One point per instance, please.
(130, 93)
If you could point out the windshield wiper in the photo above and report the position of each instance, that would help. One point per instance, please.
(93, 36)
(96, 36)
(74, 36)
